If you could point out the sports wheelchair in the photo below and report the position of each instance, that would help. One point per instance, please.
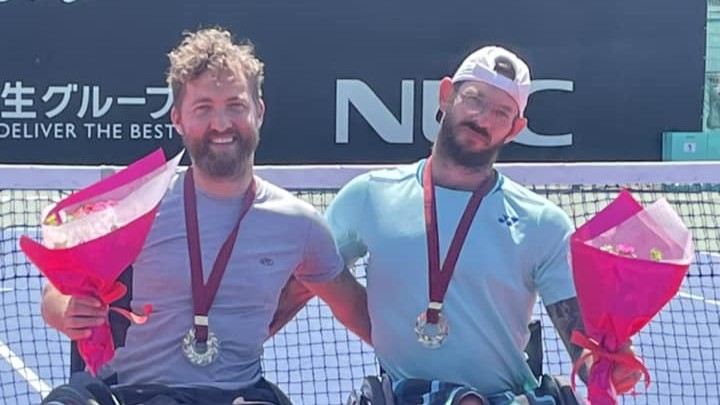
(377, 390)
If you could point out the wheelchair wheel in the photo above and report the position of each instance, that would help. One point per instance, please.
(67, 395)
(372, 390)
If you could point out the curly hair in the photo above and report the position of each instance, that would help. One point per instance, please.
(213, 49)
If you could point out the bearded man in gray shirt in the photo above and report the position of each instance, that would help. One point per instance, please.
(223, 245)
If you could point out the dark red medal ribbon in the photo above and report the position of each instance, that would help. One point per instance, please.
(438, 278)
(204, 294)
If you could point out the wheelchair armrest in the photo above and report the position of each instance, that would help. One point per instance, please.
(534, 348)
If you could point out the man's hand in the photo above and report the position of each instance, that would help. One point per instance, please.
(74, 316)
(624, 377)
(83, 314)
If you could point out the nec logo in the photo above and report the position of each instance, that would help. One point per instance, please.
(508, 220)
(392, 130)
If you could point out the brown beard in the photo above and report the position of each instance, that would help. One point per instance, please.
(226, 164)
(448, 146)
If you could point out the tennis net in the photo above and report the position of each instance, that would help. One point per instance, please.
(314, 359)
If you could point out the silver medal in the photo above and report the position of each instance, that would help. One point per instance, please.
(431, 335)
(200, 354)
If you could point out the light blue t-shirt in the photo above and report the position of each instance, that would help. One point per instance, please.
(517, 248)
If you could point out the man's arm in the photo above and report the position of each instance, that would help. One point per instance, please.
(347, 299)
(294, 296)
(566, 318)
(333, 242)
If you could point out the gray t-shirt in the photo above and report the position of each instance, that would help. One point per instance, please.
(280, 236)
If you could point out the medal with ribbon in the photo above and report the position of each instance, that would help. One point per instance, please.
(202, 347)
(431, 326)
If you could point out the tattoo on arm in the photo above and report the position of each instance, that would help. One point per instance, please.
(566, 317)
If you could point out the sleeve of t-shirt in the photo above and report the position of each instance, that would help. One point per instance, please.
(321, 259)
(553, 274)
(344, 215)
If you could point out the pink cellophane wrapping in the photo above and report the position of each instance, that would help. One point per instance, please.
(85, 256)
(618, 294)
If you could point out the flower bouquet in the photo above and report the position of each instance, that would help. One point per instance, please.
(628, 262)
(90, 237)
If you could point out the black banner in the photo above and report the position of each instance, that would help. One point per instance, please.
(82, 81)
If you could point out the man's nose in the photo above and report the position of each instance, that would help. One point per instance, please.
(220, 122)
(483, 117)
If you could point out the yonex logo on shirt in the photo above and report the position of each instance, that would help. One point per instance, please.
(508, 220)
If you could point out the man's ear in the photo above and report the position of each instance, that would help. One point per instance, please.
(260, 112)
(176, 121)
(446, 94)
(518, 125)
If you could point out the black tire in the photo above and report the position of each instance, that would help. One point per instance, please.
(354, 399)
(373, 391)
(68, 395)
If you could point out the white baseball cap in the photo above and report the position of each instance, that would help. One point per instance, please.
(498, 67)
